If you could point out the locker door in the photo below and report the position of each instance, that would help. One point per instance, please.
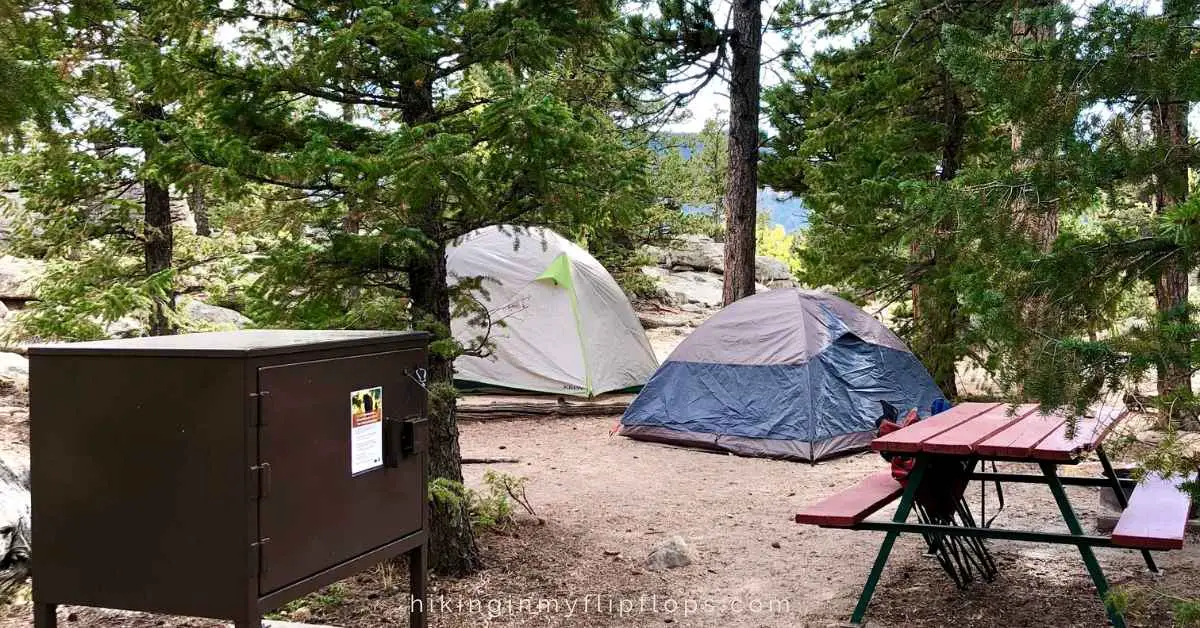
(323, 503)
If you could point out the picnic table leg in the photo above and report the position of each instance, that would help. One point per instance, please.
(1089, 558)
(1119, 491)
(906, 504)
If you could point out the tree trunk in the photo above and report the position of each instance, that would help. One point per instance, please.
(158, 242)
(199, 206)
(453, 551)
(1169, 122)
(1038, 222)
(158, 251)
(741, 198)
(935, 302)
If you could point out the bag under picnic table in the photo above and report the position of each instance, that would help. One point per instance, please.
(940, 500)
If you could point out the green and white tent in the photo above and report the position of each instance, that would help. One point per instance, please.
(568, 328)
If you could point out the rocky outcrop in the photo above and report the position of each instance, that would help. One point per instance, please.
(773, 273)
(19, 277)
(689, 271)
(214, 315)
(14, 369)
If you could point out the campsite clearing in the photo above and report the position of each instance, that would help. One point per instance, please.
(607, 501)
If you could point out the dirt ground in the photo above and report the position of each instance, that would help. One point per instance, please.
(604, 502)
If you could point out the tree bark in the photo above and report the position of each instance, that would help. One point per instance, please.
(935, 302)
(741, 199)
(158, 241)
(431, 297)
(1038, 222)
(454, 551)
(198, 203)
(1169, 123)
(158, 251)
(453, 548)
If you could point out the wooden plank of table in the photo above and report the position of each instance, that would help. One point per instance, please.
(961, 439)
(909, 439)
(1018, 439)
(1089, 432)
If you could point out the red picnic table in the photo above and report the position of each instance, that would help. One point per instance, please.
(956, 442)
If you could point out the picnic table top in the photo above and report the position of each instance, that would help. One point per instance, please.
(999, 431)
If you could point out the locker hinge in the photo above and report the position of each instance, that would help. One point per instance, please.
(263, 474)
(257, 558)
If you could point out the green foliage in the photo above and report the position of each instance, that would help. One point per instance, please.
(1135, 602)
(886, 149)
(774, 241)
(491, 509)
(326, 599)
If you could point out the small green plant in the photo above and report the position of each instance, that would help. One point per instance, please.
(330, 597)
(1132, 601)
(491, 509)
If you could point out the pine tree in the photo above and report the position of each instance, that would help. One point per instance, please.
(96, 185)
(674, 56)
(1119, 181)
(423, 121)
(874, 137)
(741, 199)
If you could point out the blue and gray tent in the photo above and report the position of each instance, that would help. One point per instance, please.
(791, 374)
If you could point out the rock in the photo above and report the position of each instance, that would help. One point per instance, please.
(696, 251)
(654, 320)
(1137, 422)
(19, 276)
(773, 273)
(1189, 444)
(691, 287)
(15, 550)
(1150, 437)
(655, 271)
(126, 327)
(658, 254)
(670, 554)
(776, 544)
(213, 315)
(15, 368)
(3, 310)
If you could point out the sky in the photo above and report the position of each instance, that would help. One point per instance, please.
(713, 101)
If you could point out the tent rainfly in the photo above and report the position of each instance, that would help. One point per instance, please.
(567, 326)
(790, 374)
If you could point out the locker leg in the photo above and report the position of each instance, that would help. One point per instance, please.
(250, 620)
(418, 573)
(45, 615)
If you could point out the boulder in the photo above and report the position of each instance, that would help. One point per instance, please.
(670, 554)
(696, 251)
(14, 368)
(690, 287)
(213, 315)
(126, 327)
(19, 276)
(1189, 445)
(15, 537)
(773, 273)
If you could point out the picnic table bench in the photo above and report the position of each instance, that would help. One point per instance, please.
(1154, 516)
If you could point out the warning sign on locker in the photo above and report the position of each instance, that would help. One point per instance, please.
(366, 430)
